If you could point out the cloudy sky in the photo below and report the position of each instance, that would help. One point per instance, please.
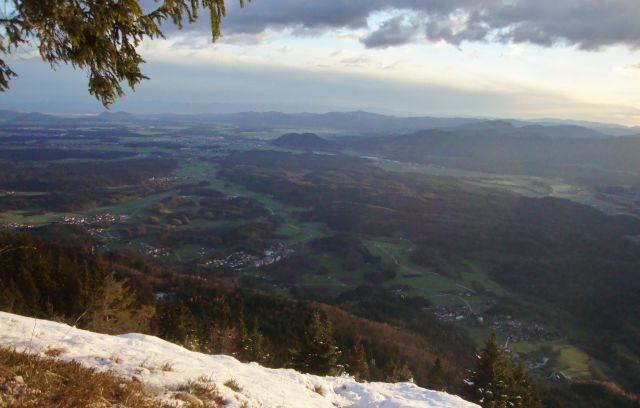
(577, 59)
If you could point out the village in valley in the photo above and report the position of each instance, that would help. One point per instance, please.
(240, 260)
(94, 223)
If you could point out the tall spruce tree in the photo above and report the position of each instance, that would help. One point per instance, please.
(490, 383)
(523, 391)
(318, 353)
(496, 384)
(356, 360)
(437, 380)
(253, 346)
(114, 310)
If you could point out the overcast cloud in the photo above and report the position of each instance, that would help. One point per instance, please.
(258, 88)
(397, 30)
(496, 58)
(586, 24)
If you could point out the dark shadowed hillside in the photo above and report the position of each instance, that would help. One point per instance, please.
(303, 141)
(567, 260)
(589, 161)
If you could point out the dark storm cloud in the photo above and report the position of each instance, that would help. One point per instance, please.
(587, 24)
(395, 31)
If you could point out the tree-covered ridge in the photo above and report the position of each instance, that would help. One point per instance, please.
(590, 161)
(119, 292)
(116, 293)
(46, 280)
(65, 186)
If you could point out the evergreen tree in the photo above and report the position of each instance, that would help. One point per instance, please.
(223, 339)
(357, 364)
(46, 280)
(523, 391)
(175, 322)
(489, 385)
(99, 36)
(254, 346)
(496, 384)
(114, 310)
(318, 353)
(398, 373)
(437, 379)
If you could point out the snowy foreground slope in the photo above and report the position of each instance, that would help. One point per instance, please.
(145, 356)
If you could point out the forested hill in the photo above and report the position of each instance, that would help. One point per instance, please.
(589, 161)
(119, 293)
(303, 141)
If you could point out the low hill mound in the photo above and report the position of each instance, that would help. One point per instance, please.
(304, 141)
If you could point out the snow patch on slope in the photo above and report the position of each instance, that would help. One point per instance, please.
(143, 357)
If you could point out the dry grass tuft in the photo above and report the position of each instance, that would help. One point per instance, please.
(166, 366)
(204, 390)
(32, 382)
(54, 351)
(233, 384)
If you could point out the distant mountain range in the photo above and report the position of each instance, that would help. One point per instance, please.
(553, 131)
(337, 123)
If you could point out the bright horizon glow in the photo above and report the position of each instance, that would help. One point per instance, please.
(480, 79)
